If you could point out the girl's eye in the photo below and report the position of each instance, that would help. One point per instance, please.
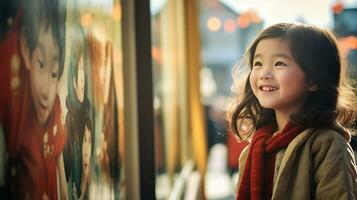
(54, 75)
(279, 63)
(257, 64)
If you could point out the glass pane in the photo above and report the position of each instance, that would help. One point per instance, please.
(61, 99)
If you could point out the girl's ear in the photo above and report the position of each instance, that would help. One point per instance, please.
(313, 87)
(25, 51)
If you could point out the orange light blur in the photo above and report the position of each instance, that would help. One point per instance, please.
(337, 7)
(243, 21)
(229, 26)
(117, 12)
(86, 19)
(347, 44)
(254, 17)
(214, 24)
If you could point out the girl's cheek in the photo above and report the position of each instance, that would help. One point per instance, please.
(252, 80)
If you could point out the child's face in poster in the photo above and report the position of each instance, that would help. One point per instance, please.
(80, 82)
(86, 150)
(43, 66)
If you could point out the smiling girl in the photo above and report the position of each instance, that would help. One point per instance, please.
(298, 104)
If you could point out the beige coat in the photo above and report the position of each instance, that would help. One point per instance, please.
(317, 164)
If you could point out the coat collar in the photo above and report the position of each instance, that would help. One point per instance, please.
(299, 140)
(341, 130)
(290, 151)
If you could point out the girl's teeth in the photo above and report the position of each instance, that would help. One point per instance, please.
(266, 88)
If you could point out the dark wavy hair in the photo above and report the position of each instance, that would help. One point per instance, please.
(315, 51)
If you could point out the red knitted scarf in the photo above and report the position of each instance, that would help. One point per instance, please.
(258, 175)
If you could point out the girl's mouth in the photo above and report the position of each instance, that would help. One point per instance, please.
(267, 88)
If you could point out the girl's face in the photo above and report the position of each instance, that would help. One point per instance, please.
(276, 80)
(79, 84)
(43, 67)
(86, 150)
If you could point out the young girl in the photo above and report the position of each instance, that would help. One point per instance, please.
(296, 101)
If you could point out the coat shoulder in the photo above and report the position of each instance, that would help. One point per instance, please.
(325, 139)
(334, 167)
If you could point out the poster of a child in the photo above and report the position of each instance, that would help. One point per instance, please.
(32, 64)
(58, 101)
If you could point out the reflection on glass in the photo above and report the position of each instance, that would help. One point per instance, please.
(62, 71)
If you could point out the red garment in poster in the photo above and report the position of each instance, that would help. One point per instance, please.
(33, 150)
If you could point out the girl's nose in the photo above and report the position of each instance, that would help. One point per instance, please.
(266, 75)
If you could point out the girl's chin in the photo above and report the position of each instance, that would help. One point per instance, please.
(268, 106)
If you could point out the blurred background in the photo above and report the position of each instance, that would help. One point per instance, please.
(173, 67)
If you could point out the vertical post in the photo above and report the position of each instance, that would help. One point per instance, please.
(138, 100)
(197, 119)
(145, 99)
